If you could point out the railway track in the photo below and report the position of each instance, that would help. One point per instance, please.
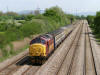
(84, 63)
(52, 67)
(90, 68)
(32, 69)
(21, 64)
(70, 56)
(75, 56)
(78, 60)
(77, 65)
(9, 69)
(12, 66)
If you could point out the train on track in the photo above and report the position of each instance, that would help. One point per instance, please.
(43, 46)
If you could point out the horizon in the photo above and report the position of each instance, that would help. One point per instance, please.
(72, 7)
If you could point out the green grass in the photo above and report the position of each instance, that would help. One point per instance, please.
(2, 32)
(14, 53)
(15, 27)
(98, 39)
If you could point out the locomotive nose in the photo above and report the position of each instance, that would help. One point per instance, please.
(37, 50)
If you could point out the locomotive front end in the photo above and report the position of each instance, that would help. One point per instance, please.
(37, 50)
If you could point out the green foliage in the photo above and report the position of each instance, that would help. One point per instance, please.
(90, 20)
(94, 22)
(15, 27)
(1, 13)
(52, 19)
(13, 34)
(56, 14)
(29, 17)
(83, 17)
(2, 39)
(19, 17)
(98, 13)
(97, 23)
(30, 28)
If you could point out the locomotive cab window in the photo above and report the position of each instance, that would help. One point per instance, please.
(36, 40)
(42, 41)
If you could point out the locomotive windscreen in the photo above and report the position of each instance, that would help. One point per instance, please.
(36, 40)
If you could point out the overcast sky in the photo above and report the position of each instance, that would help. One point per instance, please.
(66, 5)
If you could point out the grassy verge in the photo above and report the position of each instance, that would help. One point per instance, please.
(97, 36)
(14, 53)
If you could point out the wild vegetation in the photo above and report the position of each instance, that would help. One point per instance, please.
(94, 22)
(15, 27)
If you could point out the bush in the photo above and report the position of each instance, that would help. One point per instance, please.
(13, 34)
(52, 19)
(2, 39)
(30, 28)
(94, 22)
(97, 23)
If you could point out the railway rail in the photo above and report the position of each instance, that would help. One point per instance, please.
(12, 66)
(69, 59)
(15, 67)
(86, 60)
(75, 56)
(8, 70)
(55, 62)
(90, 68)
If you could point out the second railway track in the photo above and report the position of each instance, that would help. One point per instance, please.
(69, 59)
(54, 66)
(90, 68)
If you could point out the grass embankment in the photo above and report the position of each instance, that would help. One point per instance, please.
(94, 22)
(97, 36)
(16, 27)
(13, 53)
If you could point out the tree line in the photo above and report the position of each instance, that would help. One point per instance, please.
(15, 27)
(94, 22)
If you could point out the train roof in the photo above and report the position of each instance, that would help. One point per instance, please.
(50, 35)
(47, 36)
(58, 31)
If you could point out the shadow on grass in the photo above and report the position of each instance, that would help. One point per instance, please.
(96, 36)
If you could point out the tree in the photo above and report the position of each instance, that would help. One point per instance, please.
(11, 14)
(83, 17)
(1, 13)
(90, 19)
(97, 22)
(37, 12)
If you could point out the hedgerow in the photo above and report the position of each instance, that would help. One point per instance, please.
(31, 24)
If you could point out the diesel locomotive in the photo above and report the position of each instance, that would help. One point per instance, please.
(44, 45)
